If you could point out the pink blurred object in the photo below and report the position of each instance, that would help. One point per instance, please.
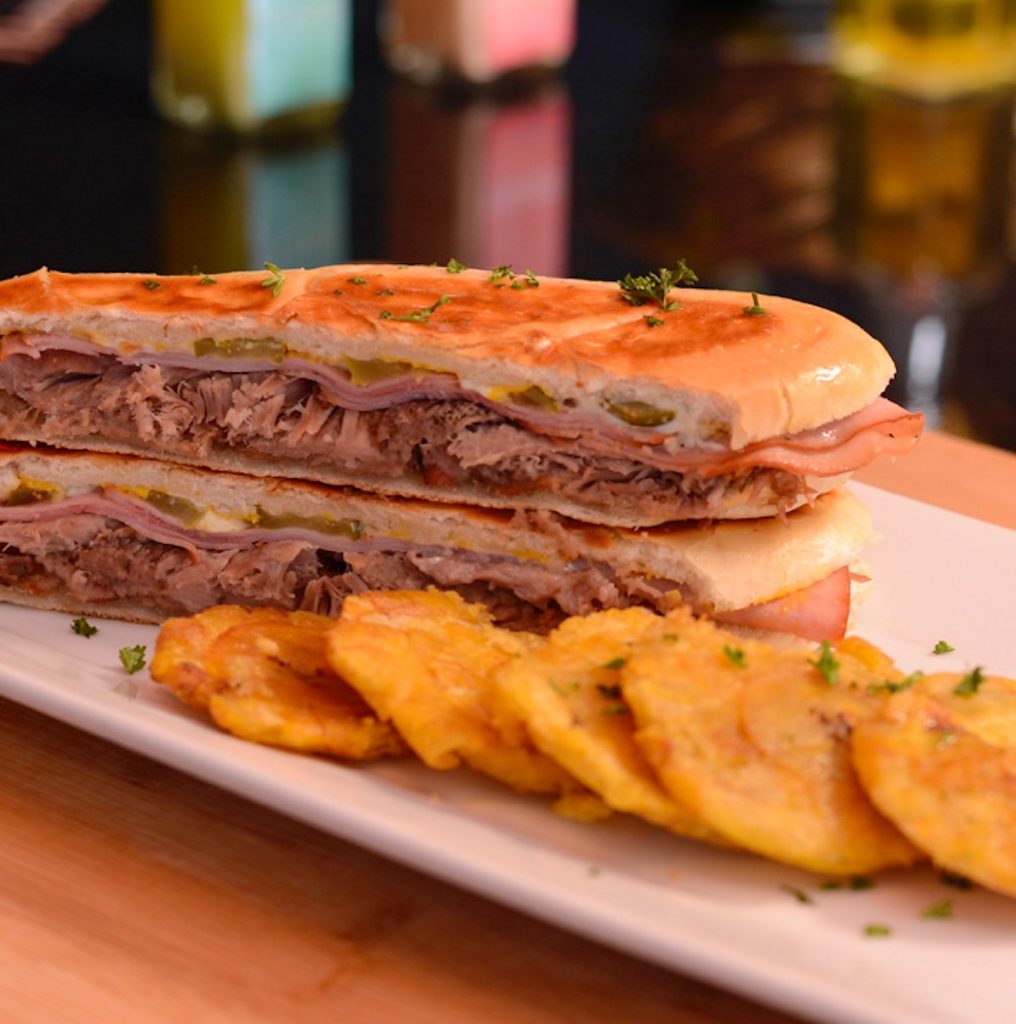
(30, 29)
(488, 183)
(476, 40)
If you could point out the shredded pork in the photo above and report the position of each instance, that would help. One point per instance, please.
(63, 396)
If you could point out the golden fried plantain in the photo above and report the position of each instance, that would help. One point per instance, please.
(262, 675)
(568, 694)
(941, 764)
(425, 660)
(754, 739)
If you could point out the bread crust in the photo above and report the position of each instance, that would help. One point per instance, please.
(725, 565)
(726, 375)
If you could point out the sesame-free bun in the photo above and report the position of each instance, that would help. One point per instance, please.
(727, 376)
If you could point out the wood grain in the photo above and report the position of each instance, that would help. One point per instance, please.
(130, 892)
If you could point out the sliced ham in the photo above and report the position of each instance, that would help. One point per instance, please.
(819, 612)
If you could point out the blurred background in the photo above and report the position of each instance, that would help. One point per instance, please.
(856, 154)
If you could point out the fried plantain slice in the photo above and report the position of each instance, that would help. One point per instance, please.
(425, 661)
(568, 694)
(940, 761)
(261, 674)
(754, 739)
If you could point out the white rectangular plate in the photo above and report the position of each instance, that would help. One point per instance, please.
(726, 917)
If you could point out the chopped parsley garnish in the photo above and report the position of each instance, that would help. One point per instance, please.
(132, 658)
(616, 709)
(83, 627)
(637, 291)
(275, 280)
(799, 894)
(654, 321)
(942, 647)
(386, 292)
(856, 883)
(735, 654)
(610, 692)
(756, 308)
(573, 686)
(943, 908)
(150, 284)
(827, 664)
(895, 685)
(454, 267)
(615, 663)
(498, 273)
(207, 280)
(956, 881)
(878, 931)
(518, 285)
(357, 280)
(970, 683)
(417, 316)
(531, 279)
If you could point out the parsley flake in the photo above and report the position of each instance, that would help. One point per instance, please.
(505, 270)
(756, 308)
(615, 663)
(654, 321)
(454, 267)
(735, 654)
(531, 279)
(616, 709)
(799, 894)
(207, 280)
(275, 280)
(83, 627)
(970, 683)
(943, 908)
(942, 647)
(150, 284)
(417, 316)
(357, 280)
(878, 931)
(956, 881)
(637, 291)
(610, 692)
(132, 658)
(827, 664)
(895, 685)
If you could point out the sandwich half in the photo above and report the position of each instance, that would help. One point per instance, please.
(125, 537)
(627, 404)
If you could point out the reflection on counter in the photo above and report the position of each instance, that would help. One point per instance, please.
(486, 180)
(227, 205)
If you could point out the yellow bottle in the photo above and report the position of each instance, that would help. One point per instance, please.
(929, 48)
(251, 66)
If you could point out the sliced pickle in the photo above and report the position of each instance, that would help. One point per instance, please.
(272, 349)
(179, 508)
(535, 397)
(639, 414)
(351, 528)
(369, 371)
(25, 494)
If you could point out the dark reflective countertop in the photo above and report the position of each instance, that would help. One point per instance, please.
(725, 138)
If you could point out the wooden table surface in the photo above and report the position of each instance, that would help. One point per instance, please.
(130, 892)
